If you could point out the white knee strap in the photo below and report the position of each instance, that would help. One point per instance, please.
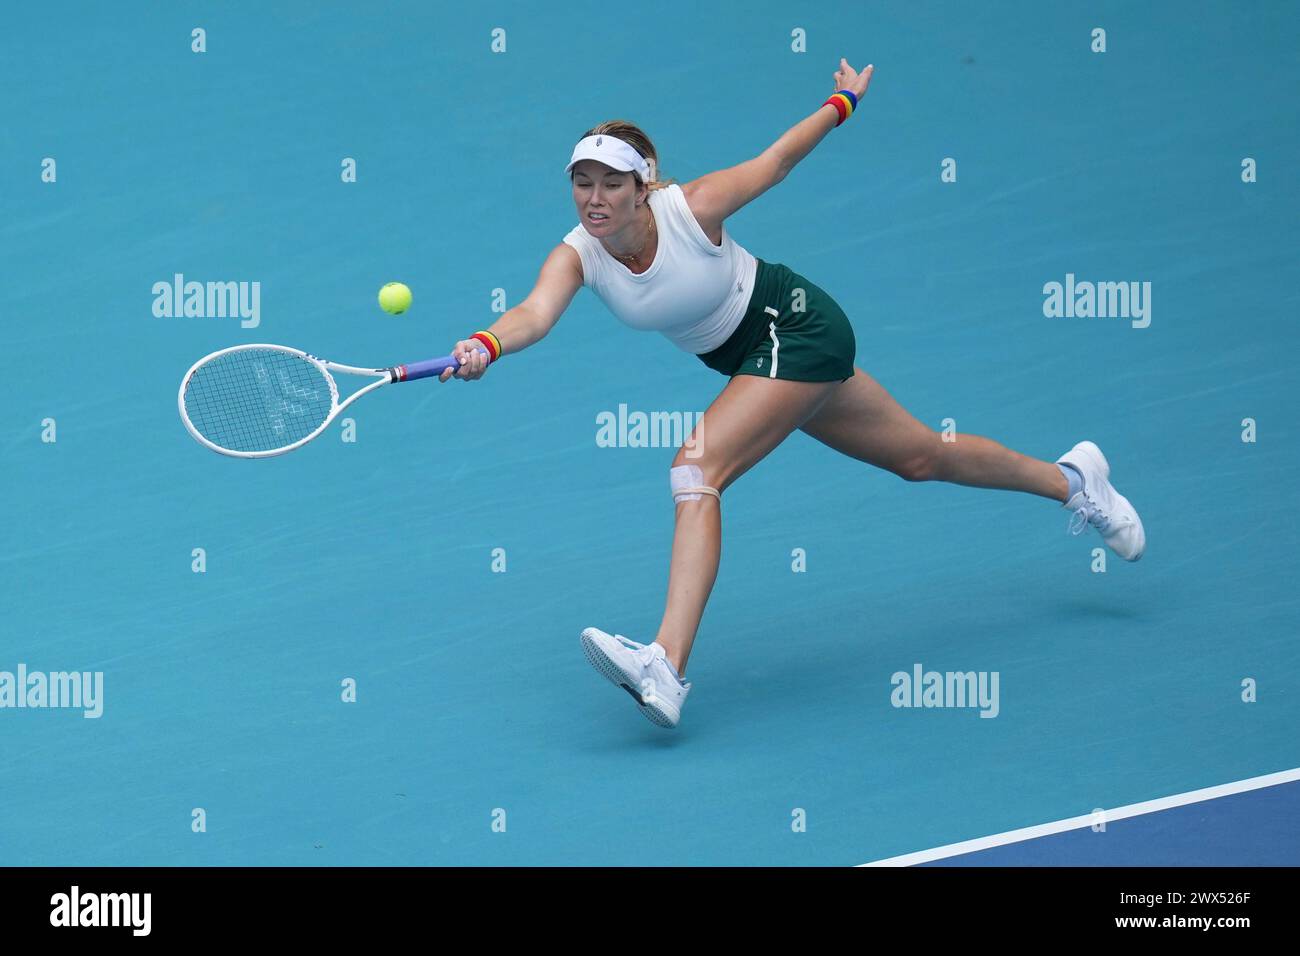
(688, 484)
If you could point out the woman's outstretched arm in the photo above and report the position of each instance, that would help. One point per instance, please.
(716, 196)
(557, 283)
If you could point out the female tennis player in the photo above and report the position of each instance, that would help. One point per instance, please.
(658, 255)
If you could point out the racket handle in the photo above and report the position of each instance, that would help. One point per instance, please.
(426, 369)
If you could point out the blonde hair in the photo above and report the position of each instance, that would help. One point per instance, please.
(635, 137)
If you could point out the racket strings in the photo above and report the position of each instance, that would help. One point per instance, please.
(258, 399)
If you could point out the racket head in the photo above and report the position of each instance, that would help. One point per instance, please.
(257, 401)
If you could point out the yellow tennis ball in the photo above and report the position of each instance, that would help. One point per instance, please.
(395, 298)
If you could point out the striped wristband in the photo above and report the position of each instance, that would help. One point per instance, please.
(845, 102)
(491, 343)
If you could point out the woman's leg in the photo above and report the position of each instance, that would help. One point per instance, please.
(863, 421)
(747, 420)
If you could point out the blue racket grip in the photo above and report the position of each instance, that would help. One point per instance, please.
(426, 369)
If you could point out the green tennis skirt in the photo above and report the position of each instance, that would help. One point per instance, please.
(792, 330)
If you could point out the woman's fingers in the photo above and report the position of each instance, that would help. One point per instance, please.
(458, 354)
(847, 78)
(471, 362)
(861, 80)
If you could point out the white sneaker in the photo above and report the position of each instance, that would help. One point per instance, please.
(1101, 506)
(639, 669)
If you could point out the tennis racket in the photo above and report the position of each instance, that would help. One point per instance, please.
(257, 401)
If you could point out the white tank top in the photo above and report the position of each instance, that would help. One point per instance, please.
(694, 292)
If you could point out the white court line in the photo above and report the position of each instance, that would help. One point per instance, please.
(1078, 823)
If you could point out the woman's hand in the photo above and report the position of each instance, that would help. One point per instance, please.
(847, 78)
(473, 360)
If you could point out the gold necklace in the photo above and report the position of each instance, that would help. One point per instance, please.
(650, 227)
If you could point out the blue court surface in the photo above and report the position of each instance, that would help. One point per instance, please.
(1232, 825)
(444, 562)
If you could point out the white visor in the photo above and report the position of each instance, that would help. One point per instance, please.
(613, 152)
